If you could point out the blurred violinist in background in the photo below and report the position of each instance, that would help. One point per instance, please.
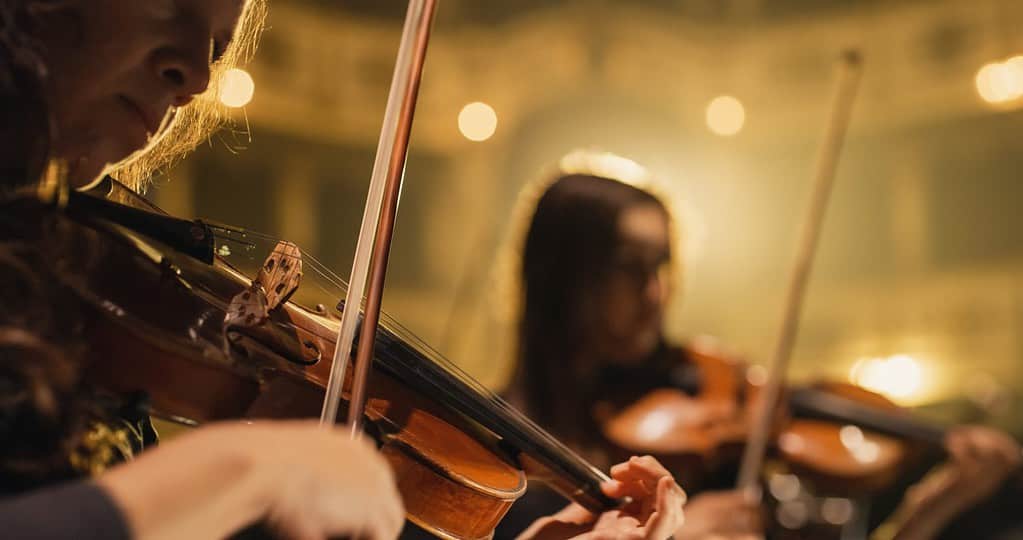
(597, 266)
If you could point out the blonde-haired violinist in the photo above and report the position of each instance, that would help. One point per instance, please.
(122, 87)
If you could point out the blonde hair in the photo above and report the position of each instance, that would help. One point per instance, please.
(194, 123)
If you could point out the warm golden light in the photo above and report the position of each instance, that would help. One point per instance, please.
(999, 82)
(1014, 69)
(726, 116)
(784, 487)
(236, 88)
(867, 453)
(837, 511)
(605, 164)
(655, 425)
(792, 514)
(991, 83)
(899, 377)
(477, 121)
(756, 375)
(851, 437)
(861, 448)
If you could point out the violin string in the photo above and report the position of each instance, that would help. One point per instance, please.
(307, 260)
(532, 429)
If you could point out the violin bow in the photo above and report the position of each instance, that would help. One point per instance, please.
(376, 231)
(849, 68)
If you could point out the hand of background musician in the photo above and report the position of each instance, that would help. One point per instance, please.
(981, 459)
(723, 515)
(301, 480)
(655, 511)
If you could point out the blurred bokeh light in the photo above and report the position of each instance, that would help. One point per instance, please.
(477, 121)
(725, 116)
(236, 88)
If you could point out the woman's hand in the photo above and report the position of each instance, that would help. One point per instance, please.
(326, 485)
(304, 481)
(984, 458)
(981, 459)
(655, 511)
(722, 515)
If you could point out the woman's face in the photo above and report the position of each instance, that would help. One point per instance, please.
(637, 286)
(119, 67)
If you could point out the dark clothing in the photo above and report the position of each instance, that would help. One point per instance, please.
(539, 501)
(79, 510)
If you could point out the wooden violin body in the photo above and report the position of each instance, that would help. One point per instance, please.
(845, 455)
(848, 439)
(694, 429)
(206, 344)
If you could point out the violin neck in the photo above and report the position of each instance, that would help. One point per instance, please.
(813, 403)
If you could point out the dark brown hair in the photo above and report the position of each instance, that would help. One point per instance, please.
(26, 130)
(567, 254)
(44, 407)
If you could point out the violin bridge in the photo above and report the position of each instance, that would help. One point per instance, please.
(281, 274)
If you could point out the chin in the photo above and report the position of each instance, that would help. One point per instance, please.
(85, 174)
(87, 165)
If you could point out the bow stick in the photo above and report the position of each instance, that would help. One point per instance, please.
(827, 163)
(377, 227)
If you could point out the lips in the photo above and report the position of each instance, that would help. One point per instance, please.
(148, 119)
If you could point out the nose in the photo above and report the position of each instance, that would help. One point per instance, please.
(655, 290)
(184, 70)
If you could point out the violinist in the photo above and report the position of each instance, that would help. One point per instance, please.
(595, 277)
(121, 87)
(92, 83)
(597, 268)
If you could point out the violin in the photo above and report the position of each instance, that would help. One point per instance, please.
(169, 316)
(847, 439)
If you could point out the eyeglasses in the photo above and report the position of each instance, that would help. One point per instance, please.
(639, 268)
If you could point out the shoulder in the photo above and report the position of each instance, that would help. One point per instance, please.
(85, 512)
